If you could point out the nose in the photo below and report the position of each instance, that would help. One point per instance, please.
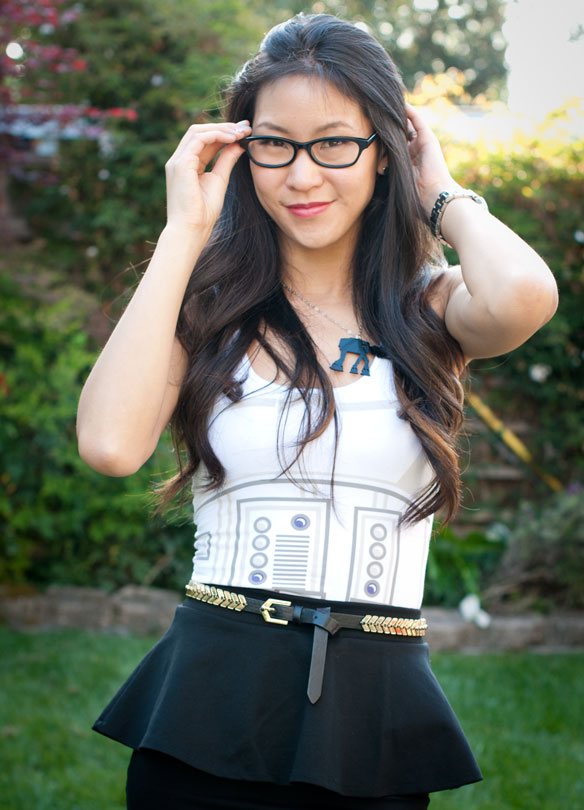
(303, 172)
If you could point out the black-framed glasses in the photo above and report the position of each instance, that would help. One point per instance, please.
(333, 153)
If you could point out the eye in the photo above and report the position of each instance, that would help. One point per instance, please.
(273, 143)
(270, 151)
(332, 143)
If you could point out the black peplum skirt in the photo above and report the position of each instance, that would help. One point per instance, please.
(225, 692)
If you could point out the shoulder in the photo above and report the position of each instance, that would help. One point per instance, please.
(443, 281)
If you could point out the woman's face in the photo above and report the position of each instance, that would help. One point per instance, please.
(304, 108)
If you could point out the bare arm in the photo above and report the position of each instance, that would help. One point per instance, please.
(498, 297)
(132, 390)
(502, 292)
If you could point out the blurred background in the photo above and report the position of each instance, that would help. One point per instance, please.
(95, 97)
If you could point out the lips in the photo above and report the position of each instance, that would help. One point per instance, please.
(308, 209)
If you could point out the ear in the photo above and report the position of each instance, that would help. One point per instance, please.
(382, 164)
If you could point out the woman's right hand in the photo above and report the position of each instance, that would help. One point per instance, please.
(194, 196)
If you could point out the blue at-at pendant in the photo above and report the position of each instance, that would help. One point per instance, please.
(355, 345)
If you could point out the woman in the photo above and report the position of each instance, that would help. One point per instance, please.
(311, 365)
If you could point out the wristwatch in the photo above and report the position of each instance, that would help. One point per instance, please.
(440, 206)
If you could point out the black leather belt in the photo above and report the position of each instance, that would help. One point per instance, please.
(325, 623)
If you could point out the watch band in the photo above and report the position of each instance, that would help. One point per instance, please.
(439, 208)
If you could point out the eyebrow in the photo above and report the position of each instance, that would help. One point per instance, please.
(284, 131)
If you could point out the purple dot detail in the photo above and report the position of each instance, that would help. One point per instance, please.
(372, 588)
(300, 522)
(257, 577)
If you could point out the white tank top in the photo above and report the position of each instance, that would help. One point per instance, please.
(261, 530)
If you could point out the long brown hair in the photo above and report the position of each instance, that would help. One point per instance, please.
(234, 294)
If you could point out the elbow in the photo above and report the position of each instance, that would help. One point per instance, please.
(553, 301)
(543, 301)
(107, 459)
(533, 300)
(543, 289)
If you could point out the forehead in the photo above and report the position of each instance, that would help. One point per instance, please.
(302, 103)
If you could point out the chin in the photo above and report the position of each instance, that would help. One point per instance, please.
(315, 239)
(318, 243)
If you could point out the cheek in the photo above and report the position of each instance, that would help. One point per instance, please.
(360, 193)
(265, 187)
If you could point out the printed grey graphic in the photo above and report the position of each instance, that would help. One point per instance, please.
(279, 551)
(203, 546)
(259, 560)
(375, 555)
(301, 545)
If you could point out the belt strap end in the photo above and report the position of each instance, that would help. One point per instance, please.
(317, 661)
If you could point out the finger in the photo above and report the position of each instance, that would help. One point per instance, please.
(415, 121)
(195, 129)
(200, 154)
(190, 133)
(227, 160)
(201, 131)
(216, 150)
(413, 112)
(202, 150)
(203, 145)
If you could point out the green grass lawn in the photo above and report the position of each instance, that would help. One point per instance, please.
(523, 715)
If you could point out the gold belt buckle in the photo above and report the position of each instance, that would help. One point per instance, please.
(266, 610)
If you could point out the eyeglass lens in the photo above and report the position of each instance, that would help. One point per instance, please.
(273, 152)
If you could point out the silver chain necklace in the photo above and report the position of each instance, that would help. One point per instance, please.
(322, 312)
(353, 345)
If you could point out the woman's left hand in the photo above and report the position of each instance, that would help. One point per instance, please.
(430, 169)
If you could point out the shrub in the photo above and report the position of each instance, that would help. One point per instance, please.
(542, 567)
(61, 521)
(534, 186)
(458, 566)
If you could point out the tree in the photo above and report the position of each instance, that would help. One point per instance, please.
(31, 68)
(426, 36)
(163, 60)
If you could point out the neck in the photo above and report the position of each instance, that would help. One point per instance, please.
(322, 274)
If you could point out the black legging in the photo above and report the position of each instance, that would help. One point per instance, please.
(159, 782)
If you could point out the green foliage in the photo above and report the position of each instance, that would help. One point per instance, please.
(458, 566)
(165, 60)
(62, 522)
(543, 564)
(534, 186)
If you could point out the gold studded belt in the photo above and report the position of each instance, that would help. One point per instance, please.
(279, 611)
